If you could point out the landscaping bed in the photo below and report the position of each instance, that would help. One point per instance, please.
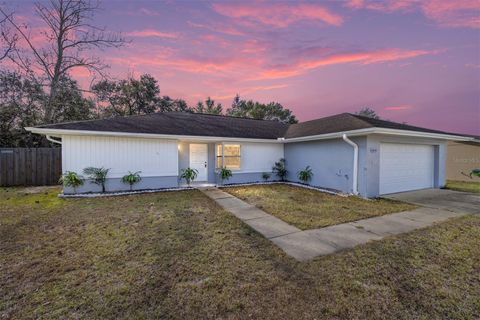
(311, 209)
(178, 255)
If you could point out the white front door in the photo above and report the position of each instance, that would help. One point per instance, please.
(405, 167)
(199, 160)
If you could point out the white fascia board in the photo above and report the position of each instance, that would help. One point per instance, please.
(61, 132)
(386, 131)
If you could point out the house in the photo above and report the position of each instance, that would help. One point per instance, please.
(462, 158)
(346, 152)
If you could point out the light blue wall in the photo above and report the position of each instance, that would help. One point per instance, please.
(373, 159)
(331, 162)
(116, 184)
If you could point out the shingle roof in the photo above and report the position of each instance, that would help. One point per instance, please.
(195, 124)
(182, 123)
(346, 122)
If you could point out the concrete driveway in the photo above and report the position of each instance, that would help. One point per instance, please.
(461, 202)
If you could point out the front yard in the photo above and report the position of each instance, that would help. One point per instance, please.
(179, 255)
(310, 209)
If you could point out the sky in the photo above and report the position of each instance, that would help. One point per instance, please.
(411, 61)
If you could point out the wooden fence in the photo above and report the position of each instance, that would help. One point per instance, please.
(30, 166)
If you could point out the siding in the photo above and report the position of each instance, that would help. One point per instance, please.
(153, 157)
(462, 157)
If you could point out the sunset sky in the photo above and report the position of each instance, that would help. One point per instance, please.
(412, 61)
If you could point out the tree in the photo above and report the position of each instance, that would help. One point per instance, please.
(256, 110)
(167, 104)
(129, 96)
(21, 102)
(69, 104)
(209, 107)
(368, 112)
(8, 39)
(69, 37)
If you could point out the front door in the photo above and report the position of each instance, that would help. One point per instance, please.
(199, 159)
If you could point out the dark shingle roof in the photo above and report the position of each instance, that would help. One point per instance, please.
(195, 124)
(346, 122)
(182, 123)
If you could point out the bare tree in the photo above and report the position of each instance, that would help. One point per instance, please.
(69, 37)
(8, 39)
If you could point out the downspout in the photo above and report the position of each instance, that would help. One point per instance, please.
(355, 163)
(49, 138)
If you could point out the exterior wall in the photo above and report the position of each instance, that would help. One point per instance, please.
(462, 157)
(371, 187)
(256, 158)
(156, 159)
(331, 162)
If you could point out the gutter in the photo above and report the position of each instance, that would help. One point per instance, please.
(355, 162)
(49, 138)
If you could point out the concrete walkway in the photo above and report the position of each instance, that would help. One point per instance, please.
(308, 244)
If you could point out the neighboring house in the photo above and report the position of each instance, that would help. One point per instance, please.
(462, 158)
(346, 152)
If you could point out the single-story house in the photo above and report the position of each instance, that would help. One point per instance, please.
(347, 152)
(462, 158)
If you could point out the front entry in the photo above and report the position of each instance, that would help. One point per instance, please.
(199, 160)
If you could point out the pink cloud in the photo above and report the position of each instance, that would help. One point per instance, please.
(279, 15)
(152, 33)
(449, 13)
(399, 108)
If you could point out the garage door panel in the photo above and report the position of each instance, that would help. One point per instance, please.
(405, 167)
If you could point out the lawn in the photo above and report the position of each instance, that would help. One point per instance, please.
(466, 186)
(178, 255)
(310, 209)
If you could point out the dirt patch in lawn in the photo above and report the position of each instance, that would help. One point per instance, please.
(311, 209)
(178, 255)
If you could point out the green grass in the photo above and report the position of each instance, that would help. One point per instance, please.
(466, 186)
(178, 255)
(310, 209)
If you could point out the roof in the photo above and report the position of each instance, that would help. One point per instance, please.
(181, 123)
(347, 122)
(207, 125)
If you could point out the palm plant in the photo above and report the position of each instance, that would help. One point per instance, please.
(305, 175)
(97, 175)
(279, 169)
(131, 178)
(224, 174)
(71, 179)
(189, 175)
(266, 176)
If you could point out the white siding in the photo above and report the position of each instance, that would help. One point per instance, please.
(259, 157)
(153, 157)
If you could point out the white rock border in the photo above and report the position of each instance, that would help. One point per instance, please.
(121, 193)
(301, 185)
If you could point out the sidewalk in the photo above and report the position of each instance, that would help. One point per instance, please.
(308, 244)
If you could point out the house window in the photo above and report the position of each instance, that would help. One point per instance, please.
(229, 156)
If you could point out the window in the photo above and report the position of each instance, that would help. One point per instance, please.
(229, 155)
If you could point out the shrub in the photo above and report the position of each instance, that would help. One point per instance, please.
(131, 178)
(266, 176)
(98, 175)
(71, 179)
(475, 172)
(224, 174)
(189, 175)
(280, 170)
(305, 175)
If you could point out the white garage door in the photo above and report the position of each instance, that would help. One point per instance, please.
(405, 167)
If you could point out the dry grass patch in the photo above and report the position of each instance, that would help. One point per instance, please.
(178, 255)
(310, 209)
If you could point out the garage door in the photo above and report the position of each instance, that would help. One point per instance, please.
(405, 167)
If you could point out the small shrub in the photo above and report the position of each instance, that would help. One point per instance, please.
(71, 179)
(224, 174)
(266, 176)
(279, 169)
(131, 178)
(189, 175)
(98, 175)
(305, 175)
(475, 173)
